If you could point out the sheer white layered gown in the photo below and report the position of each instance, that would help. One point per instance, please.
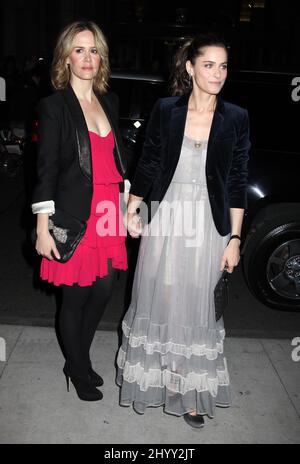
(172, 351)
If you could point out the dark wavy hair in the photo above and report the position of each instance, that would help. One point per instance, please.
(189, 51)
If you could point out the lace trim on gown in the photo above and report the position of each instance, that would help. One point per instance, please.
(175, 348)
(173, 381)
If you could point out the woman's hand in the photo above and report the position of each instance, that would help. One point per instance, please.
(133, 224)
(45, 246)
(231, 255)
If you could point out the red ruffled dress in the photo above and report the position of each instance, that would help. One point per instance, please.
(105, 234)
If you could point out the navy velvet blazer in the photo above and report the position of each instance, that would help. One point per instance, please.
(226, 164)
(64, 164)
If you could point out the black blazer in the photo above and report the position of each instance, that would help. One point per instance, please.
(64, 165)
(226, 164)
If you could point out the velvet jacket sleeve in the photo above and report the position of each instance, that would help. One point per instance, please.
(49, 132)
(238, 175)
(150, 160)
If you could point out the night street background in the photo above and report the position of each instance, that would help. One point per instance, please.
(264, 37)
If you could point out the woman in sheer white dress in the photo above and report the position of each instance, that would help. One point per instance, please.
(194, 166)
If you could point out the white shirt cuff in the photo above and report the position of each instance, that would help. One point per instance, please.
(127, 186)
(43, 207)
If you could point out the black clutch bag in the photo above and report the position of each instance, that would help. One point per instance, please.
(221, 295)
(67, 231)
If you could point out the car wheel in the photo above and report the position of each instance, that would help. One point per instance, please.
(271, 263)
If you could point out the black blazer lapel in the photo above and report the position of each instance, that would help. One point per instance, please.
(177, 127)
(215, 126)
(82, 133)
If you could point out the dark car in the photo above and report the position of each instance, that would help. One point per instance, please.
(271, 232)
(272, 228)
(137, 94)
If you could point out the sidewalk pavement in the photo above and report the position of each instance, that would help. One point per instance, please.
(35, 406)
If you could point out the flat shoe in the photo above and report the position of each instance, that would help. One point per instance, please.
(194, 421)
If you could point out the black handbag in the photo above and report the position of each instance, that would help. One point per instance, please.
(67, 231)
(221, 295)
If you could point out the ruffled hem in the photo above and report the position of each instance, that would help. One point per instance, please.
(210, 342)
(173, 381)
(174, 403)
(85, 265)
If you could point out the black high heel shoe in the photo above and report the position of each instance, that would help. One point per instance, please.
(85, 390)
(96, 379)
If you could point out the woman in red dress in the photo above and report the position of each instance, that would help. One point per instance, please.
(80, 168)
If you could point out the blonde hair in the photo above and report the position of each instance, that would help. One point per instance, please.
(60, 73)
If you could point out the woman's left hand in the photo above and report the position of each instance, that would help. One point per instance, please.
(231, 255)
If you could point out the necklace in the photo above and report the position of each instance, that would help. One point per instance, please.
(197, 143)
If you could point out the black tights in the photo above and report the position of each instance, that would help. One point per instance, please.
(81, 312)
